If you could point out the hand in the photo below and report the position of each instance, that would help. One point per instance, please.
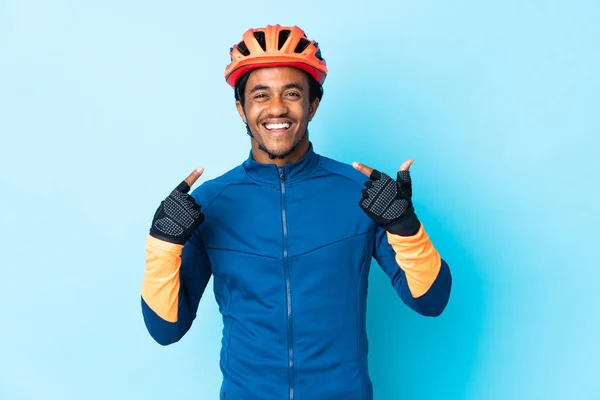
(389, 202)
(178, 215)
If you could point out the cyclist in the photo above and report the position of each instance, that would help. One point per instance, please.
(288, 237)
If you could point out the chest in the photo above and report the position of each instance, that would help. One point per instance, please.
(286, 220)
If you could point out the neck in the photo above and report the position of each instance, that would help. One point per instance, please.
(301, 149)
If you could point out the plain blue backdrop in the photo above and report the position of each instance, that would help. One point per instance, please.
(105, 106)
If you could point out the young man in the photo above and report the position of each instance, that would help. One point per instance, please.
(288, 237)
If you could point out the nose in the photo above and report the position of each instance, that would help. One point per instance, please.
(277, 107)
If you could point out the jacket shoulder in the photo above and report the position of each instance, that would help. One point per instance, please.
(208, 191)
(342, 169)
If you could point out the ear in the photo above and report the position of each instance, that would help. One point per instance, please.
(312, 109)
(240, 110)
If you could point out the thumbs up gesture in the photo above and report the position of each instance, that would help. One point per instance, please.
(389, 202)
(178, 215)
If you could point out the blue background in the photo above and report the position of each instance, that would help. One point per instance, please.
(105, 106)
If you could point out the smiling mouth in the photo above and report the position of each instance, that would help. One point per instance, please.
(277, 127)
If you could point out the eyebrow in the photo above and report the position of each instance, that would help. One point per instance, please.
(292, 85)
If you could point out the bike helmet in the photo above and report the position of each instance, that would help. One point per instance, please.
(275, 46)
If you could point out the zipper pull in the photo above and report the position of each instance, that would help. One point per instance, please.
(281, 173)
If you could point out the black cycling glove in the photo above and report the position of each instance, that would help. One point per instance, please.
(177, 217)
(388, 202)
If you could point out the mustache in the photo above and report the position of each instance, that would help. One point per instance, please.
(262, 120)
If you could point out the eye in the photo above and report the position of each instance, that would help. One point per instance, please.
(293, 94)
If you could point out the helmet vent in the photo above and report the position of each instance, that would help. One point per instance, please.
(284, 34)
(302, 45)
(260, 38)
(243, 49)
(318, 53)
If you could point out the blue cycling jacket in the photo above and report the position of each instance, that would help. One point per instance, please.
(289, 250)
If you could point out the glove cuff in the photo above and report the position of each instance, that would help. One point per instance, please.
(170, 239)
(407, 225)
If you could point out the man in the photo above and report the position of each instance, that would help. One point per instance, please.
(288, 237)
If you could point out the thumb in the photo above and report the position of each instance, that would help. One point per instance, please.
(362, 168)
(406, 165)
(192, 178)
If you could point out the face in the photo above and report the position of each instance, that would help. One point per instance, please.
(277, 110)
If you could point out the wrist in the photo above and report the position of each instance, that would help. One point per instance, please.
(158, 245)
(167, 238)
(407, 225)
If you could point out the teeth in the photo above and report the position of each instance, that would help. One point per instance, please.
(277, 126)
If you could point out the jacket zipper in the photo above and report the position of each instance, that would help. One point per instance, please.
(288, 292)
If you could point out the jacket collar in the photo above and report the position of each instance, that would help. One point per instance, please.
(269, 173)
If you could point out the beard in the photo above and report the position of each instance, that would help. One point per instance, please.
(280, 152)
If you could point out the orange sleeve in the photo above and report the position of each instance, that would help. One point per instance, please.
(160, 287)
(419, 260)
